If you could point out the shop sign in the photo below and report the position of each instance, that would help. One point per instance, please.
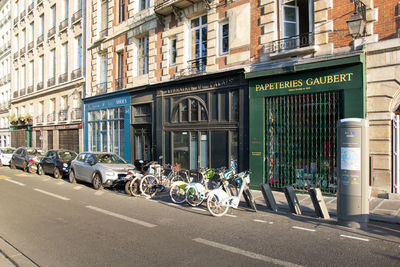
(207, 84)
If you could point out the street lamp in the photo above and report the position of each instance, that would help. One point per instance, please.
(357, 21)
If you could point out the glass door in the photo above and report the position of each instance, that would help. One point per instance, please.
(142, 143)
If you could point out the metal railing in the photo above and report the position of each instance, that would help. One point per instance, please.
(76, 114)
(40, 39)
(15, 94)
(120, 83)
(40, 119)
(51, 32)
(22, 92)
(22, 51)
(62, 78)
(30, 89)
(39, 2)
(30, 7)
(51, 82)
(22, 14)
(30, 46)
(39, 86)
(197, 65)
(16, 55)
(15, 21)
(62, 115)
(76, 16)
(293, 42)
(63, 25)
(100, 88)
(51, 117)
(76, 74)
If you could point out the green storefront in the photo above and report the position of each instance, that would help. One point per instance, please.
(293, 114)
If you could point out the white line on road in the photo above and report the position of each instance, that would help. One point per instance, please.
(198, 209)
(78, 187)
(172, 204)
(331, 201)
(354, 237)
(60, 183)
(123, 217)
(230, 215)
(244, 252)
(51, 194)
(261, 221)
(304, 229)
(15, 182)
(99, 193)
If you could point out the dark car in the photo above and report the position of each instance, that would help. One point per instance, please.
(23, 155)
(56, 162)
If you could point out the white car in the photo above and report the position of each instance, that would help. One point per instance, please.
(5, 155)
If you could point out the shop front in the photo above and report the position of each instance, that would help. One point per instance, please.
(293, 116)
(202, 121)
(106, 127)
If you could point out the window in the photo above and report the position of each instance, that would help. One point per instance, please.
(199, 44)
(103, 68)
(66, 7)
(64, 102)
(41, 69)
(30, 109)
(121, 10)
(104, 17)
(224, 38)
(64, 58)
(189, 110)
(42, 24)
(53, 16)
(52, 106)
(52, 63)
(78, 54)
(30, 73)
(172, 51)
(142, 113)
(120, 65)
(22, 77)
(40, 108)
(143, 4)
(143, 55)
(32, 31)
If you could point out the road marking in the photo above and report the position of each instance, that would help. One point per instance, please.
(330, 201)
(230, 215)
(4, 177)
(172, 204)
(198, 209)
(354, 237)
(377, 207)
(15, 182)
(248, 254)
(22, 175)
(45, 179)
(394, 213)
(51, 194)
(302, 228)
(123, 217)
(261, 221)
(99, 193)
(78, 187)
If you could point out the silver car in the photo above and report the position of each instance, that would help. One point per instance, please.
(99, 168)
(5, 155)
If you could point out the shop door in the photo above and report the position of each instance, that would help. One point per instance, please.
(69, 139)
(142, 144)
(300, 140)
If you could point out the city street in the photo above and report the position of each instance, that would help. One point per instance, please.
(55, 223)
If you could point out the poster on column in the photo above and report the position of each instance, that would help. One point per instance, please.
(350, 158)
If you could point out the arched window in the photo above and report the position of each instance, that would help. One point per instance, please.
(190, 109)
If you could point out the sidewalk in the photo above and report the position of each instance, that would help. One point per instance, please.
(383, 210)
(10, 257)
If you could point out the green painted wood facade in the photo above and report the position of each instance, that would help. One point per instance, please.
(346, 75)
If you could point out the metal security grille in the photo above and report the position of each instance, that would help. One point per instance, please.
(301, 140)
(69, 139)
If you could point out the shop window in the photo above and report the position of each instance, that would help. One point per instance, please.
(190, 110)
(190, 149)
(141, 113)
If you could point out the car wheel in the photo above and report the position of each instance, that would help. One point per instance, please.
(25, 166)
(71, 177)
(97, 183)
(40, 169)
(12, 164)
(56, 173)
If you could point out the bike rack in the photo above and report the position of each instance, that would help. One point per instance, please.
(268, 197)
(246, 193)
(319, 203)
(292, 200)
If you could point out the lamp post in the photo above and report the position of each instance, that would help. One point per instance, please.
(357, 21)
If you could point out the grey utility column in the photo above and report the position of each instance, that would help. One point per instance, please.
(353, 173)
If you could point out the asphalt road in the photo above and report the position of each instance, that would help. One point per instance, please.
(55, 223)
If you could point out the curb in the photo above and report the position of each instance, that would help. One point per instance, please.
(11, 256)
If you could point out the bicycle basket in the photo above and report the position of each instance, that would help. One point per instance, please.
(210, 173)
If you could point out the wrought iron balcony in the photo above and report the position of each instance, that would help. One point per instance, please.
(51, 117)
(22, 51)
(63, 25)
(16, 55)
(293, 42)
(197, 65)
(22, 14)
(62, 115)
(51, 82)
(39, 86)
(30, 89)
(30, 7)
(40, 39)
(22, 92)
(62, 78)
(100, 88)
(39, 2)
(15, 21)
(40, 119)
(120, 83)
(76, 114)
(30, 46)
(76, 74)
(15, 94)
(76, 16)
(51, 32)
(165, 7)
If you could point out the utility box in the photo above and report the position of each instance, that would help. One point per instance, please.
(353, 172)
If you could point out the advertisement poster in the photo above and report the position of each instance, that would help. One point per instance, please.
(350, 158)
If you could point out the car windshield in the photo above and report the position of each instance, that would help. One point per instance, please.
(7, 150)
(35, 152)
(67, 155)
(110, 158)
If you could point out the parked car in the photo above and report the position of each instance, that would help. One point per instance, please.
(99, 168)
(56, 162)
(24, 155)
(5, 155)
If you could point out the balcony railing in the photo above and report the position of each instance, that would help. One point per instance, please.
(15, 94)
(51, 82)
(30, 46)
(293, 42)
(39, 2)
(197, 65)
(100, 88)
(30, 89)
(165, 7)
(22, 92)
(62, 115)
(76, 114)
(63, 25)
(103, 33)
(16, 55)
(51, 117)
(30, 7)
(39, 86)
(120, 83)
(40, 119)
(15, 21)
(76, 16)
(22, 51)
(22, 14)
(51, 32)
(62, 78)
(40, 39)
(76, 74)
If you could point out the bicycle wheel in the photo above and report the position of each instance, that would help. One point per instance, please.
(193, 197)
(149, 185)
(127, 189)
(216, 207)
(134, 187)
(178, 192)
(178, 177)
(249, 199)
